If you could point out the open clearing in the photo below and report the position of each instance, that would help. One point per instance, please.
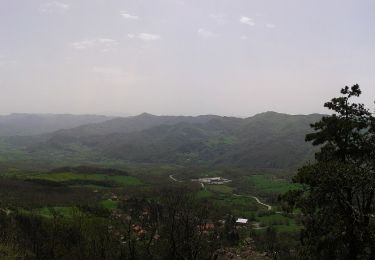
(270, 184)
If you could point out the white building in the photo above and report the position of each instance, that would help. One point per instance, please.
(242, 221)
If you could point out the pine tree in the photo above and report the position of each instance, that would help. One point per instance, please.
(338, 195)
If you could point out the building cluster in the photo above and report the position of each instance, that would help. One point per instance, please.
(212, 180)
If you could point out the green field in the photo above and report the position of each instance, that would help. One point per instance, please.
(220, 188)
(270, 184)
(48, 212)
(70, 193)
(109, 204)
(202, 194)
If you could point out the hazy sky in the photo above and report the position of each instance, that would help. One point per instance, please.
(227, 57)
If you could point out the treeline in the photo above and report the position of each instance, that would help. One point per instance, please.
(28, 236)
(176, 226)
(89, 170)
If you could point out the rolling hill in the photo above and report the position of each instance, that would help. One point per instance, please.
(35, 124)
(265, 141)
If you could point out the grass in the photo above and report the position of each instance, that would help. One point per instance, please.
(270, 184)
(241, 201)
(221, 196)
(220, 188)
(246, 207)
(203, 194)
(126, 180)
(67, 176)
(287, 229)
(109, 204)
(279, 222)
(47, 212)
(273, 219)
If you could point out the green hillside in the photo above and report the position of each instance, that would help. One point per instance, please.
(266, 141)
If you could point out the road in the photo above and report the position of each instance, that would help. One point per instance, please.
(269, 207)
(173, 178)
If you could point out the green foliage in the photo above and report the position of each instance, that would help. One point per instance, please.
(338, 195)
(53, 211)
(277, 245)
(67, 210)
(203, 194)
(24, 194)
(265, 141)
(220, 188)
(109, 204)
(71, 178)
(268, 184)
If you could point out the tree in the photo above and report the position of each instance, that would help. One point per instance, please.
(337, 198)
(185, 223)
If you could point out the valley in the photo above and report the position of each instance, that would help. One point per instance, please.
(98, 170)
(187, 130)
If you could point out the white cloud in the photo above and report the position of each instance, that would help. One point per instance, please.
(128, 16)
(270, 26)
(104, 44)
(145, 36)
(205, 33)
(247, 20)
(54, 7)
(244, 37)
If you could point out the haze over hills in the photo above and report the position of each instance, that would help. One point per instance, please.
(131, 124)
(34, 124)
(269, 140)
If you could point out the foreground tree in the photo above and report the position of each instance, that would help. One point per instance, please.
(337, 198)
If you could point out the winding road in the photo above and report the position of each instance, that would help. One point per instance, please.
(173, 178)
(269, 207)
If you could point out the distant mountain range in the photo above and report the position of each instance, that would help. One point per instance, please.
(269, 140)
(34, 124)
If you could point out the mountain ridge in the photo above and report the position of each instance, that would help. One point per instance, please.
(267, 140)
(24, 124)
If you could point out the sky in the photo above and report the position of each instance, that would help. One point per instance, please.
(183, 57)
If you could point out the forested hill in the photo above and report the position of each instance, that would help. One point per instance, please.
(34, 124)
(131, 124)
(268, 140)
